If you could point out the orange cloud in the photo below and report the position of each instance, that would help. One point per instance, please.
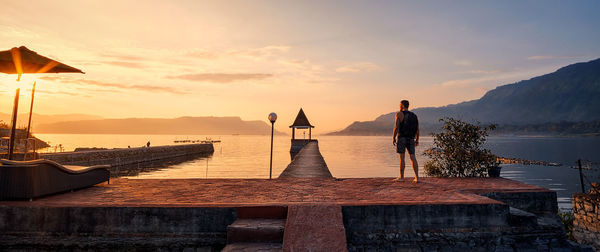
(202, 54)
(123, 57)
(221, 77)
(125, 64)
(113, 85)
(56, 92)
(259, 53)
(359, 67)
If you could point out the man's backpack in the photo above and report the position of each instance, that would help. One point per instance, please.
(410, 124)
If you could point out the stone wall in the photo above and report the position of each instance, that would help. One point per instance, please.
(128, 156)
(586, 225)
(114, 228)
(539, 203)
(458, 227)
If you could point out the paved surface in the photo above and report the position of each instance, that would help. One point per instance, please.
(285, 191)
(314, 228)
(307, 163)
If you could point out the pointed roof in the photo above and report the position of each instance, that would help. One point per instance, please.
(301, 121)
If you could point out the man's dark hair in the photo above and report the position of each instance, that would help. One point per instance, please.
(405, 103)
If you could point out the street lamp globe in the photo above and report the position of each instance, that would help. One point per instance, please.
(272, 117)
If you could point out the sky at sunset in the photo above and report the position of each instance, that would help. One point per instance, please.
(342, 61)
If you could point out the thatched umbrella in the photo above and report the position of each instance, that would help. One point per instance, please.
(22, 60)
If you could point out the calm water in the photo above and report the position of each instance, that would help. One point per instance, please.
(361, 156)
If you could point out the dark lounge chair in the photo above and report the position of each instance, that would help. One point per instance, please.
(31, 179)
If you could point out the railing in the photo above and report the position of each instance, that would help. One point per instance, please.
(26, 146)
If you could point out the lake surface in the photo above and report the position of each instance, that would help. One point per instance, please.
(358, 156)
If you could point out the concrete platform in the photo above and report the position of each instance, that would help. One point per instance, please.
(195, 213)
(262, 192)
(320, 212)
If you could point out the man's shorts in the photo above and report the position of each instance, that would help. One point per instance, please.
(405, 143)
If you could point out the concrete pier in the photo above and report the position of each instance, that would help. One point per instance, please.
(308, 163)
(129, 156)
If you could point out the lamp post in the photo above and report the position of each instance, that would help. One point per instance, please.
(272, 118)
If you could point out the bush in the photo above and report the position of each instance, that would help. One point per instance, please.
(457, 150)
(567, 220)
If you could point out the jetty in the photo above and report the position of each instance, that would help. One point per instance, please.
(127, 156)
(309, 164)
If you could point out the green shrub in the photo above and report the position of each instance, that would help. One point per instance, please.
(457, 151)
(567, 221)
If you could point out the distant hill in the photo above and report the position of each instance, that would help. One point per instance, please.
(181, 125)
(38, 119)
(571, 94)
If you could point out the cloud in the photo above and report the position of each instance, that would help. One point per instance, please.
(462, 83)
(547, 57)
(493, 79)
(125, 64)
(259, 53)
(113, 85)
(123, 57)
(56, 92)
(250, 53)
(359, 67)
(483, 71)
(482, 90)
(202, 54)
(221, 77)
(462, 63)
(295, 63)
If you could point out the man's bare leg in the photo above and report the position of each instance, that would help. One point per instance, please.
(402, 165)
(415, 165)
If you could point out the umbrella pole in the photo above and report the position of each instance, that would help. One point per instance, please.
(11, 142)
(29, 122)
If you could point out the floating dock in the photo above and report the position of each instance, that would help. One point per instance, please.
(291, 213)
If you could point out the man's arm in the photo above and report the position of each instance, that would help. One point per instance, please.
(395, 128)
(417, 135)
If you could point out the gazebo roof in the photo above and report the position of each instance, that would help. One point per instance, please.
(301, 121)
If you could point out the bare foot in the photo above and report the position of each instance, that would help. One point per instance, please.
(416, 180)
(399, 179)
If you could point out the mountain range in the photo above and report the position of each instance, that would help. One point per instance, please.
(38, 119)
(570, 94)
(88, 124)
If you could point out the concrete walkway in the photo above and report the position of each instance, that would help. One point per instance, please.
(308, 163)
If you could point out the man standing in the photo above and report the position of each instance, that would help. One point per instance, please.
(406, 128)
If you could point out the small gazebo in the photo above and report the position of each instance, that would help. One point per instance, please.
(301, 122)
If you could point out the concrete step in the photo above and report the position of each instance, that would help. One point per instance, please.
(256, 231)
(252, 247)
(518, 217)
